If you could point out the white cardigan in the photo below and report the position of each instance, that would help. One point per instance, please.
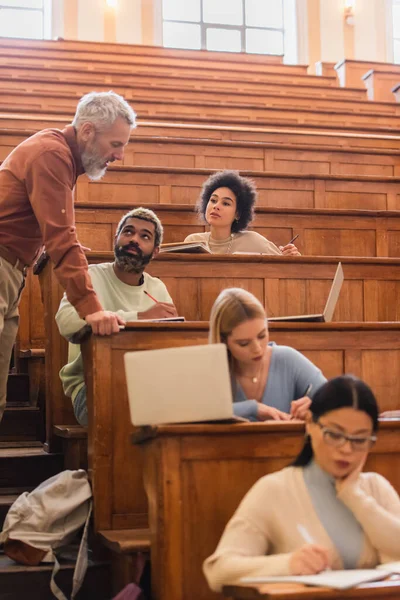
(262, 534)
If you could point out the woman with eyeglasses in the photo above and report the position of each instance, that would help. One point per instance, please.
(321, 512)
(226, 204)
(268, 381)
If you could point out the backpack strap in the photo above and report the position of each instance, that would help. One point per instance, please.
(80, 566)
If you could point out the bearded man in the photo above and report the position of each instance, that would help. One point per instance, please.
(122, 287)
(37, 208)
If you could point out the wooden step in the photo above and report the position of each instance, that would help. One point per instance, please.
(18, 388)
(26, 467)
(16, 579)
(22, 423)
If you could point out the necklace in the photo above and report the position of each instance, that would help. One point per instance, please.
(216, 243)
(255, 378)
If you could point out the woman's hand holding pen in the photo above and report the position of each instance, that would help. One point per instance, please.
(299, 408)
(309, 560)
(290, 249)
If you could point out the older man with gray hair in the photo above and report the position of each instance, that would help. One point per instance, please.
(37, 208)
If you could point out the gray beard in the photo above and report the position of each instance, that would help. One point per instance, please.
(90, 163)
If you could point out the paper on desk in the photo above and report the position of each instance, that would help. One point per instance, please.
(339, 580)
(393, 567)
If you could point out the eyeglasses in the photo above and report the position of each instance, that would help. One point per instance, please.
(336, 439)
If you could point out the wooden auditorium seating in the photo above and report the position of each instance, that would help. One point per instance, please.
(323, 232)
(326, 167)
(380, 84)
(151, 185)
(351, 72)
(122, 82)
(369, 292)
(276, 151)
(188, 511)
(124, 52)
(169, 88)
(212, 112)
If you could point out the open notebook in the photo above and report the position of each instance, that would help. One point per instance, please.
(330, 305)
(189, 247)
(339, 580)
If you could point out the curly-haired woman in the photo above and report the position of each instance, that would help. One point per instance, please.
(227, 204)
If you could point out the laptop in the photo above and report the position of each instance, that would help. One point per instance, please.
(179, 385)
(330, 305)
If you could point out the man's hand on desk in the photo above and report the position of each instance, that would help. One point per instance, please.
(160, 310)
(104, 322)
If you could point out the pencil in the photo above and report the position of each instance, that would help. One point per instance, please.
(294, 239)
(151, 297)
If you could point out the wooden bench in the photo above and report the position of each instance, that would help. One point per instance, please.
(173, 89)
(380, 84)
(131, 185)
(209, 112)
(188, 510)
(286, 285)
(364, 344)
(350, 72)
(20, 125)
(278, 82)
(322, 232)
(306, 155)
(124, 52)
(177, 68)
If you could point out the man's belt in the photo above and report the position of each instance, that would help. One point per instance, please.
(13, 260)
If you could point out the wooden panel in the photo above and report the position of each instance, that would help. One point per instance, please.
(96, 236)
(144, 185)
(210, 288)
(330, 362)
(325, 242)
(381, 300)
(194, 456)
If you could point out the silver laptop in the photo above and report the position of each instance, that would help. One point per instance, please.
(330, 305)
(179, 385)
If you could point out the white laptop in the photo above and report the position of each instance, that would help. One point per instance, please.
(330, 305)
(179, 385)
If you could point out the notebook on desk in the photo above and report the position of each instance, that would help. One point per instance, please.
(327, 314)
(179, 385)
(339, 580)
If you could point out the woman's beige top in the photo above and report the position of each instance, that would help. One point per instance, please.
(262, 534)
(244, 241)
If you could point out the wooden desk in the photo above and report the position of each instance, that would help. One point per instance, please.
(286, 286)
(376, 591)
(323, 232)
(195, 477)
(369, 350)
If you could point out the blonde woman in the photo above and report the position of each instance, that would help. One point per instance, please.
(321, 512)
(268, 381)
(226, 204)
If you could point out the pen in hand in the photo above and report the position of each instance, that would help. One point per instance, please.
(308, 538)
(294, 239)
(151, 297)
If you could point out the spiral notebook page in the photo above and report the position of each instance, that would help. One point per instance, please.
(340, 580)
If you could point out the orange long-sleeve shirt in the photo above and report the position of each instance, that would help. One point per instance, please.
(37, 207)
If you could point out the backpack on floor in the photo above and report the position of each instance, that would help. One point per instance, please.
(48, 518)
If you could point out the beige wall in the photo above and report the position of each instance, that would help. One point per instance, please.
(322, 32)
